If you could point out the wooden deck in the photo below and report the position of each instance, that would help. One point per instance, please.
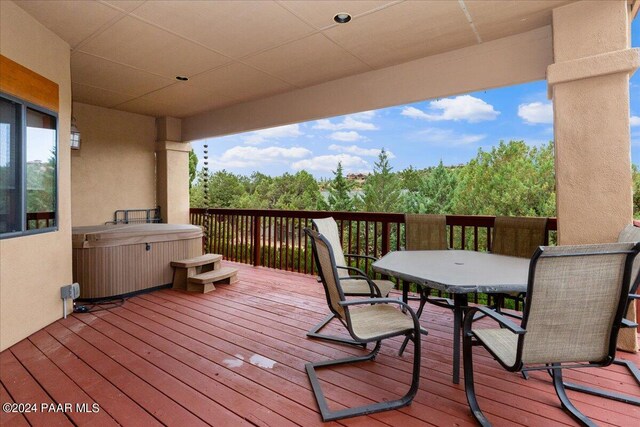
(236, 356)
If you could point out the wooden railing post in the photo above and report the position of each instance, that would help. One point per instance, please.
(386, 231)
(255, 240)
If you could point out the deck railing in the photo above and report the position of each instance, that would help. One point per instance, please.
(275, 238)
(36, 220)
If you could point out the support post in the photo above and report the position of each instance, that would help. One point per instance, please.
(589, 84)
(172, 172)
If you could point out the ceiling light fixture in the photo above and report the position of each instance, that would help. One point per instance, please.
(182, 78)
(342, 18)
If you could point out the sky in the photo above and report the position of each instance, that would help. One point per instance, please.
(420, 134)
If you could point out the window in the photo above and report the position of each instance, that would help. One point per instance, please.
(28, 168)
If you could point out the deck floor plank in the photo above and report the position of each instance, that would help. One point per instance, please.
(545, 396)
(124, 350)
(66, 393)
(23, 388)
(10, 417)
(111, 399)
(163, 408)
(236, 356)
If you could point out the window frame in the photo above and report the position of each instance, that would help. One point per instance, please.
(21, 134)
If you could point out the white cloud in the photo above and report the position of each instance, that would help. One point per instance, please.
(465, 107)
(448, 137)
(358, 121)
(328, 163)
(359, 151)
(536, 113)
(414, 113)
(365, 115)
(242, 156)
(348, 136)
(634, 120)
(260, 136)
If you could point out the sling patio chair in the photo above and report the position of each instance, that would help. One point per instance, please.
(575, 303)
(366, 320)
(425, 233)
(518, 237)
(627, 338)
(354, 281)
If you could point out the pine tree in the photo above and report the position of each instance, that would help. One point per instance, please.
(434, 194)
(381, 191)
(339, 192)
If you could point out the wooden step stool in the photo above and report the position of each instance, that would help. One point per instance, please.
(200, 273)
(204, 282)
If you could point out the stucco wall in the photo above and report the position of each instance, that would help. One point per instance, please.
(591, 121)
(33, 268)
(115, 167)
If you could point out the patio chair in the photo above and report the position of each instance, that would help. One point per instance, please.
(366, 320)
(354, 281)
(425, 233)
(576, 299)
(627, 337)
(518, 237)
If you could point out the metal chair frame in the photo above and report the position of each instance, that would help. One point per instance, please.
(555, 369)
(311, 368)
(315, 333)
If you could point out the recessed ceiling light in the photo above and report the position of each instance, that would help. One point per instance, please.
(182, 78)
(342, 18)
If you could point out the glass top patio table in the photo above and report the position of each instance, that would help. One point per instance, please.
(459, 273)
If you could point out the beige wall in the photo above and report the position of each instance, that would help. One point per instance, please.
(115, 166)
(507, 61)
(590, 88)
(33, 268)
(173, 181)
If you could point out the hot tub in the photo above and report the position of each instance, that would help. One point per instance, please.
(116, 260)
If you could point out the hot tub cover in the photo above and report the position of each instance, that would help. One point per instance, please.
(96, 236)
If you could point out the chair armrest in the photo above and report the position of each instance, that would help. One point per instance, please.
(352, 269)
(634, 296)
(372, 258)
(375, 291)
(495, 316)
(626, 323)
(375, 301)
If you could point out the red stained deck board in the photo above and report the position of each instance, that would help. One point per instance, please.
(111, 399)
(366, 390)
(23, 388)
(8, 418)
(60, 387)
(206, 410)
(162, 357)
(441, 409)
(254, 382)
(250, 340)
(172, 361)
(155, 402)
(545, 395)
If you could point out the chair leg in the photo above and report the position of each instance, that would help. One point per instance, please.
(467, 359)
(564, 399)
(625, 398)
(314, 333)
(328, 415)
(424, 295)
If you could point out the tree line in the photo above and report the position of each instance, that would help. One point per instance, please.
(511, 178)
